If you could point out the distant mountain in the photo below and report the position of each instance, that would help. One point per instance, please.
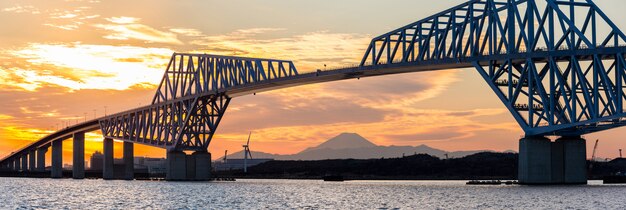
(344, 141)
(354, 146)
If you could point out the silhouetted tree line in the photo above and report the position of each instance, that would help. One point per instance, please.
(486, 165)
(420, 166)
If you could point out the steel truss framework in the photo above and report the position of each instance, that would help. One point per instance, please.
(558, 66)
(191, 100)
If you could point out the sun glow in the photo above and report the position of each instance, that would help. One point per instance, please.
(77, 66)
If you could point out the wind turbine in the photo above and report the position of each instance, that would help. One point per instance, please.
(246, 153)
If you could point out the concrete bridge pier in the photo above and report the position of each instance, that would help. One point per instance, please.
(56, 170)
(78, 162)
(25, 162)
(10, 165)
(176, 166)
(542, 161)
(183, 167)
(31, 160)
(573, 161)
(129, 161)
(107, 166)
(16, 164)
(202, 165)
(41, 159)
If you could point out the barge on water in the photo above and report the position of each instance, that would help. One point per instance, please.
(490, 182)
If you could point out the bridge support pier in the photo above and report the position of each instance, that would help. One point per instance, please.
(16, 164)
(31, 160)
(41, 159)
(202, 165)
(129, 161)
(183, 167)
(78, 162)
(25, 162)
(57, 159)
(544, 162)
(11, 165)
(107, 166)
(176, 166)
(572, 164)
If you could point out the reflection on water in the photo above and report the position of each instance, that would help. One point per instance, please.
(307, 194)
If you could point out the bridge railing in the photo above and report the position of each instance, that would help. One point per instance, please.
(189, 74)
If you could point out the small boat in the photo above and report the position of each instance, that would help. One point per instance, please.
(511, 182)
(333, 178)
(479, 182)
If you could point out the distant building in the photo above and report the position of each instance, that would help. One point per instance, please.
(153, 165)
(236, 164)
(96, 161)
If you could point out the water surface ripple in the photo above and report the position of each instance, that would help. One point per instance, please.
(29, 193)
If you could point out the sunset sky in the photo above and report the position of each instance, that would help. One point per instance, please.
(63, 59)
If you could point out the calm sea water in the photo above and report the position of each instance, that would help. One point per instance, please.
(28, 193)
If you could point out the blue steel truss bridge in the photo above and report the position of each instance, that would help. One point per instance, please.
(557, 65)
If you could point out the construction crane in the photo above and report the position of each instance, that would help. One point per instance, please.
(593, 155)
(595, 147)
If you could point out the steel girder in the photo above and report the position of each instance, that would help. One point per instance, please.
(194, 74)
(191, 100)
(557, 65)
(186, 124)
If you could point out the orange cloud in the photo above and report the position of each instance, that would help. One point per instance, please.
(22, 9)
(125, 28)
(310, 51)
(78, 66)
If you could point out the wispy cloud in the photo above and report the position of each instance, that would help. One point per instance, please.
(187, 31)
(78, 66)
(22, 9)
(126, 28)
(68, 27)
(70, 19)
(123, 20)
(310, 50)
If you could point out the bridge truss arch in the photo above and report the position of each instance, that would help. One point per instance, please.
(557, 65)
(191, 100)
